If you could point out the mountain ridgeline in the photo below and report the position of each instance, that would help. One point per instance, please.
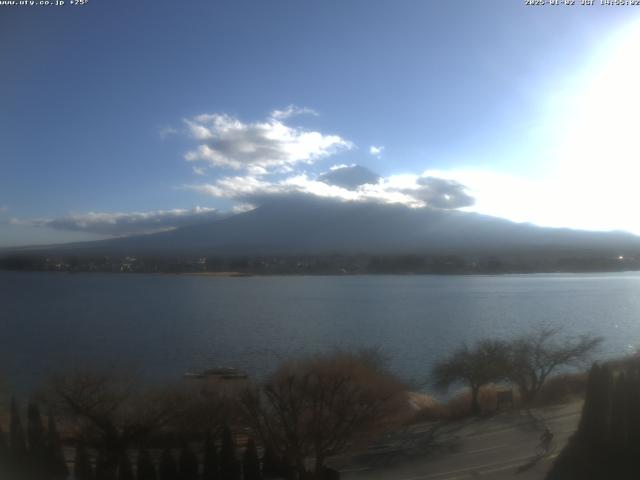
(320, 227)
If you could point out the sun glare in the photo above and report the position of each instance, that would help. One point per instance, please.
(593, 151)
(597, 160)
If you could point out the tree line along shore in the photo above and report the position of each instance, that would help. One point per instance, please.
(328, 264)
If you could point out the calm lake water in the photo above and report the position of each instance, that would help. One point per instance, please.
(164, 325)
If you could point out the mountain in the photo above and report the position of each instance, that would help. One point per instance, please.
(313, 226)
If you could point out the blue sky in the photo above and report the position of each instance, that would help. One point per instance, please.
(105, 109)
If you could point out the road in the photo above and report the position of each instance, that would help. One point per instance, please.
(500, 447)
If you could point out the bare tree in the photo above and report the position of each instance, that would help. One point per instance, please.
(112, 411)
(315, 408)
(486, 362)
(536, 355)
(205, 409)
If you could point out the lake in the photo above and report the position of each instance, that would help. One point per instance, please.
(164, 325)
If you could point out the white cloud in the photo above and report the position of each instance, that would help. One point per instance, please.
(122, 224)
(243, 207)
(291, 111)
(410, 190)
(199, 170)
(165, 132)
(376, 151)
(238, 188)
(258, 148)
(341, 165)
(440, 192)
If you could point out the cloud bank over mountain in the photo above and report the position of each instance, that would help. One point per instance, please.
(441, 193)
(347, 184)
(123, 224)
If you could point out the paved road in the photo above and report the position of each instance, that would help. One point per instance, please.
(500, 447)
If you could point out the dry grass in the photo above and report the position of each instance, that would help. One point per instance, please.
(559, 389)
(562, 389)
(459, 406)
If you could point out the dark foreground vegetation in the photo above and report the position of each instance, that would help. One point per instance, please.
(114, 428)
(607, 443)
(102, 426)
(551, 261)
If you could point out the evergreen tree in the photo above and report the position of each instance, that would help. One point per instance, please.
(57, 465)
(125, 471)
(329, 473)
(271, 463)
(104, 468)
(604, 445)
(82, 468)
(594, 423)
(619, 429)
(36, 439)
(188, 464)
(210, 461)
(168, 469)
(251, 462)
(634, 411)
(4, 453)
(229, 465)
(146, 469)
(17, 441)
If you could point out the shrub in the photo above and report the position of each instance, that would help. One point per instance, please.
(317, 407)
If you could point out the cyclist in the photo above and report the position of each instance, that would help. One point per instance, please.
(546, 437)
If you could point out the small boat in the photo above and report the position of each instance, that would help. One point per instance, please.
(220, 373)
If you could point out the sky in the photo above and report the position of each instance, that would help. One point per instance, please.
(121, 117)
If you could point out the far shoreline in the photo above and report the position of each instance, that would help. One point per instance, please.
(236, 274)
(211, 274)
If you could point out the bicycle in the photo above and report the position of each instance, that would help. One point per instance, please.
(547, 444)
